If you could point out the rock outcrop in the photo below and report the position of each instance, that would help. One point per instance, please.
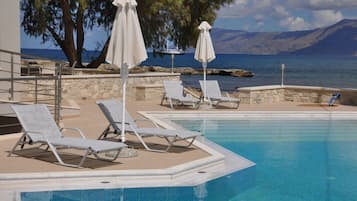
(107, 68)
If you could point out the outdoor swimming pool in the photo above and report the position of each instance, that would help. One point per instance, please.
(296, 160)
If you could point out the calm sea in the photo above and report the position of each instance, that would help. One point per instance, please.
(326, 71)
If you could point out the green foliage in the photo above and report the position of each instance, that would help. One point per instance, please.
(176, 20)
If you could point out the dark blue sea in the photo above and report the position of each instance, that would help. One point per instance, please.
(325, 71)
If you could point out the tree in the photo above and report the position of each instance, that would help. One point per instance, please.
(65, 22)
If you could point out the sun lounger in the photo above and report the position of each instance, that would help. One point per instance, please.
(175, 95)
(112, 110)
(214, 94)
(39, 127)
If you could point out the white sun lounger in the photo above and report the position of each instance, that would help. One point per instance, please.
(39, 127)
(214, 95)
(175, 95)
(112, 110)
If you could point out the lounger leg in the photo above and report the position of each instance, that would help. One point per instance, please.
(175, 140)
(170, 142)
(210, 103)
(193, 139)
(109, 158)
(60, 161)
(84, 157)
(104, 133)
(171, 105)
(163, 98)
(54, 151)
(238, 104)
(145, 145)
(20, 141)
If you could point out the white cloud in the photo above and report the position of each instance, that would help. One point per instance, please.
(280, 11)
(326, 17)
(324, 4)
(274, 15)
(295, 23)
(259, 18)
(235, 10)
(262, 4)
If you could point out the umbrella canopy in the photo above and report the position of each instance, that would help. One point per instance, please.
(126, 47)
(204, 49)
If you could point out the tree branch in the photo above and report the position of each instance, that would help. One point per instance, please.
(80, 34)
(101, 58)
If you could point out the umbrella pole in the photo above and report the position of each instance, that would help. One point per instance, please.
(172, 63)
(123, 113)
(204, 65)
(124, 75)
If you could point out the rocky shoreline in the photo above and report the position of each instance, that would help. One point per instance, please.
(112, 69)
(107, 68)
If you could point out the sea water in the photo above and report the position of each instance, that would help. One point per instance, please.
(309, 70)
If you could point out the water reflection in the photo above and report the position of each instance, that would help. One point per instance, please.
(221, 189)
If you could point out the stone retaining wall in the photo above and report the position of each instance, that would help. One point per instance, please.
(148, 86)
(107, 86)
(301, 94)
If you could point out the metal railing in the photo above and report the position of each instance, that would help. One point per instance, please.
(24, 80)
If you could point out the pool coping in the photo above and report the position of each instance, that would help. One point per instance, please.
(187, 174)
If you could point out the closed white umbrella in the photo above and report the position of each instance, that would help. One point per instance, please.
(204, 49)
(126, 47)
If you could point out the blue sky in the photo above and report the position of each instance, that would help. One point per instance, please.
(253, 15)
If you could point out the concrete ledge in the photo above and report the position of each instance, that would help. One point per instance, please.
(151, 74)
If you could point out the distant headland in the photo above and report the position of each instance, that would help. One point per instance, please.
(338, 39)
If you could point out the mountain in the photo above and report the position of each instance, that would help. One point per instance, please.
(338, 39)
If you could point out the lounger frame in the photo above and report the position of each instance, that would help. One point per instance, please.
(109, 107)
(32, 137)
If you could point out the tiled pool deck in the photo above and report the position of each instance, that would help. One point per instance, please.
(180, 166)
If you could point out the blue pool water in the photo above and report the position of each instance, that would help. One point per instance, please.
(296, 161)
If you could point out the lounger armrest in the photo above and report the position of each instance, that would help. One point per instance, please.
(119, 122)
(147, 120)
(75, 129)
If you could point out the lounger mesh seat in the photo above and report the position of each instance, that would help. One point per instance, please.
(175, 95)
(39, 127)
(112, 110)
(214, 95)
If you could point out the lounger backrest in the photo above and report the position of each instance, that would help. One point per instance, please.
(173, 88)
(37, 119)
(212, 88)
(112, 110)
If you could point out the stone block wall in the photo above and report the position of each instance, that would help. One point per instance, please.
(105, 86)
(257, 95)
(300, 94)
(308, 94)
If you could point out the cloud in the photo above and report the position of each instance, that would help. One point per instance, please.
(234, 10)
(295, 23)
(280, 12)
(259, 18)
(326, 17)
(324, 4)
(282, 15)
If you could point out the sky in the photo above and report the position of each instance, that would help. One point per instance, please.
(253, 16)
